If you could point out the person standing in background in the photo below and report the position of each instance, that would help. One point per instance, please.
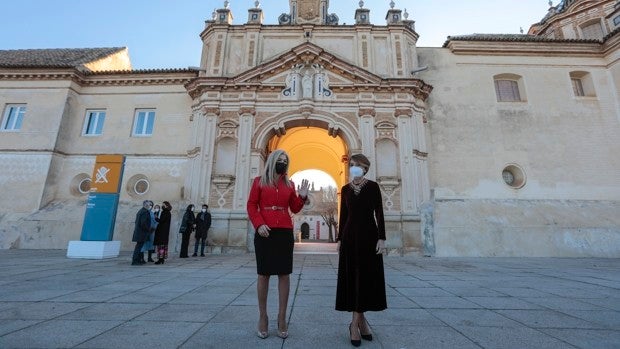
(162, 233)
(141, 231)
(187, 225)
(148, 244)
(203, 223)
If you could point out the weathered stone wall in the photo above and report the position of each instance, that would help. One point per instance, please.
(564, 144)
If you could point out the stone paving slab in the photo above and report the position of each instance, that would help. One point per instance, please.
(49, 301)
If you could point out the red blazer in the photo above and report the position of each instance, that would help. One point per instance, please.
(270, 205)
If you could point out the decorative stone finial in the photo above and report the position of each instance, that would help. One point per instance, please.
(257, 3)
(214, 15)
(361, 4)
(521, 30)
(550, 3)
(406, 14)
(392, 4)
(226, 2)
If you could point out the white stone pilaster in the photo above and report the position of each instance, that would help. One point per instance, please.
(409, 177)
(421, 158)
(208, 146)
(242, 174)
(367, 137)
(192, 181)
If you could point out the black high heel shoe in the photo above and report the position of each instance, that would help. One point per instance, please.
(367, 337)
(354, 342)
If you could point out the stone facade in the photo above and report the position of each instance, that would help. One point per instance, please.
(463, 171)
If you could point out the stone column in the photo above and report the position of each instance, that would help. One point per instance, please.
(192, 180)
(420, 153)
(242, 174)
(406, 138)
(206, 160)
(367, 137)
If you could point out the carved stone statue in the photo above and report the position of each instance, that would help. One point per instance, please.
(306, 83)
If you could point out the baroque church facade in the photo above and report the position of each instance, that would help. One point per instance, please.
(492, 145)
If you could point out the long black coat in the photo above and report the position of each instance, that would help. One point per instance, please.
(361, 280)
(142, 228)
(162, 232)
(187, 222)
(203, 223)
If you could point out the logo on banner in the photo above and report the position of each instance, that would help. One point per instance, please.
(102, 175)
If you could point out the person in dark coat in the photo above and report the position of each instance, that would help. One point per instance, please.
(187, 225)
(361, 244)
(203, 223)
(141, 231)
(271, 197)
(162, 233)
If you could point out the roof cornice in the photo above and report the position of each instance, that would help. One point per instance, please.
(106, 78)
(487, 45)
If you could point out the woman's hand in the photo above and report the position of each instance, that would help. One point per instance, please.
(380, 246)
(303, 190)
(263, 230)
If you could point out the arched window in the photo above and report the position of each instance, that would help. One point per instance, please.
(509, 88)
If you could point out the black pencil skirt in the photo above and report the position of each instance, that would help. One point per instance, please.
(274, 254)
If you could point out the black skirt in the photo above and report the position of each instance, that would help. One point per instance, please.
(274, 254)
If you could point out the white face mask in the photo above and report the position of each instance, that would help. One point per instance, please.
(355, 172)
(204, 210)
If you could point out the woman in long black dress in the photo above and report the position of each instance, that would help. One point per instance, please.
(361, 239)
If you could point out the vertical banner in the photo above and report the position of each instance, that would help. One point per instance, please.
(102, 205)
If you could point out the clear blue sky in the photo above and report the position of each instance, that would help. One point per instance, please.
(164, 33)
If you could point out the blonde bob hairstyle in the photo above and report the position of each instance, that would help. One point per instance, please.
(269, 176)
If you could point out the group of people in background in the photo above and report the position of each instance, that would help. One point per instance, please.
(151, 232)
(200, 225)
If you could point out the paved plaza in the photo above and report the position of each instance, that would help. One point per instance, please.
(50, 301)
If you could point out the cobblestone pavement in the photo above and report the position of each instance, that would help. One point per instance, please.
(50, 301)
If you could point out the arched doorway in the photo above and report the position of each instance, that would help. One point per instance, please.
(305, 231)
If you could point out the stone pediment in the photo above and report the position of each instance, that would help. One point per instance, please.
(312, 72)
(275, 71)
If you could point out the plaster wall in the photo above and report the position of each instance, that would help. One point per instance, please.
(567, 147)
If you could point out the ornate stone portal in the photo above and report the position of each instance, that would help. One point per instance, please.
(283, 94)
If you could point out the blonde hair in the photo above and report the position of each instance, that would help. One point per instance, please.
(269, 176)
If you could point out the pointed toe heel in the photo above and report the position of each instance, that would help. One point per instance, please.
(282, 334)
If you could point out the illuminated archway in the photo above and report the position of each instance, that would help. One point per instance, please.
(313, 148)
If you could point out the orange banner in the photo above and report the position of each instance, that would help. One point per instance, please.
(107, 174)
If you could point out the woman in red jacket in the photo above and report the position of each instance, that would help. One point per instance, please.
(271, 197)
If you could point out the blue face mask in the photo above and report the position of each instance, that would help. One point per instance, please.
(355, 172)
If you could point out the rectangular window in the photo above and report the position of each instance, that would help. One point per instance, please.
(13, 117)
(593, 31)
(507, 91)
(143, 122)
(93, 124)
(577, 87)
